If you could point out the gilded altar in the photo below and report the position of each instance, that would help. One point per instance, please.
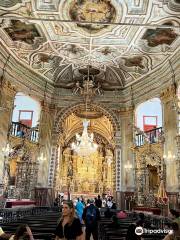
(85, 175)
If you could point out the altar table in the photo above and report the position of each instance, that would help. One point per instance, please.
(148, 210)
(20, 203)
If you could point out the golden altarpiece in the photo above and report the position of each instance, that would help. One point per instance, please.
(87, 175)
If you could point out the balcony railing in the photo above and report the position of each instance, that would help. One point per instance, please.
(151, 136)
(23, 131)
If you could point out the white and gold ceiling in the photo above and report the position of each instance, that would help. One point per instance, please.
(50, 38)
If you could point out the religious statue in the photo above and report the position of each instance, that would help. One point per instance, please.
(98, 90)
(7, 168)
(85, 186)
(77, 89)
(70, 169)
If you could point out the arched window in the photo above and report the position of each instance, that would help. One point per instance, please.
(26, 110)
(148, 115)
(148, 121)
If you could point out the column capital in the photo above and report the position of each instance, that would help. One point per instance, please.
(7, 87)
(47, 107)
(168, 94)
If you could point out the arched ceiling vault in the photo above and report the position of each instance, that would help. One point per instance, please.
(59, 46)
(73, 124)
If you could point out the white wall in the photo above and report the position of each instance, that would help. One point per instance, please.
(23, 102)
(151, 107)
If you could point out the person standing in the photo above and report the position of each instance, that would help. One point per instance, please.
(98, 202)
(109, 203)
(79, 209)
(69, 227)
(91, 216)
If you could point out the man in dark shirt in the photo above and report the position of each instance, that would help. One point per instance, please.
(98, 202)
(91, 216)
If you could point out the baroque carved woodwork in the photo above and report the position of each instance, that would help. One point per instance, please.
(23, 168)
(150, 169)
(86, 175)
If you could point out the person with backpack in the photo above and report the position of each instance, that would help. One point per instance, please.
(91, 216)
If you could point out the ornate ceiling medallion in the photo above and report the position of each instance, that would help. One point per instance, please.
(92, 11)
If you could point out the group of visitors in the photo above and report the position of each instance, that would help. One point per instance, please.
(79, 221)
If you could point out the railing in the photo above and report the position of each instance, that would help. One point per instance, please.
(23, 131)
(151, 136)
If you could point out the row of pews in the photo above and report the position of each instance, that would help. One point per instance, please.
(43, 223)
(42, 226)
(117, 230)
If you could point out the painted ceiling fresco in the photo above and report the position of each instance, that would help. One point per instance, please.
(22, 32)
(79, 33)
(92, 11)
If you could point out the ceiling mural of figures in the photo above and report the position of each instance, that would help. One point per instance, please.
(20, 31)
(159, 36)
(125, 41)
(92, 11)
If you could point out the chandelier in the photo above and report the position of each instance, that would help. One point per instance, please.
(84, 145)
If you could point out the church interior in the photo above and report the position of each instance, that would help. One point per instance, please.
(90, 101)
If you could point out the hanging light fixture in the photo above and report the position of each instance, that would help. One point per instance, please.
(84, 145)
